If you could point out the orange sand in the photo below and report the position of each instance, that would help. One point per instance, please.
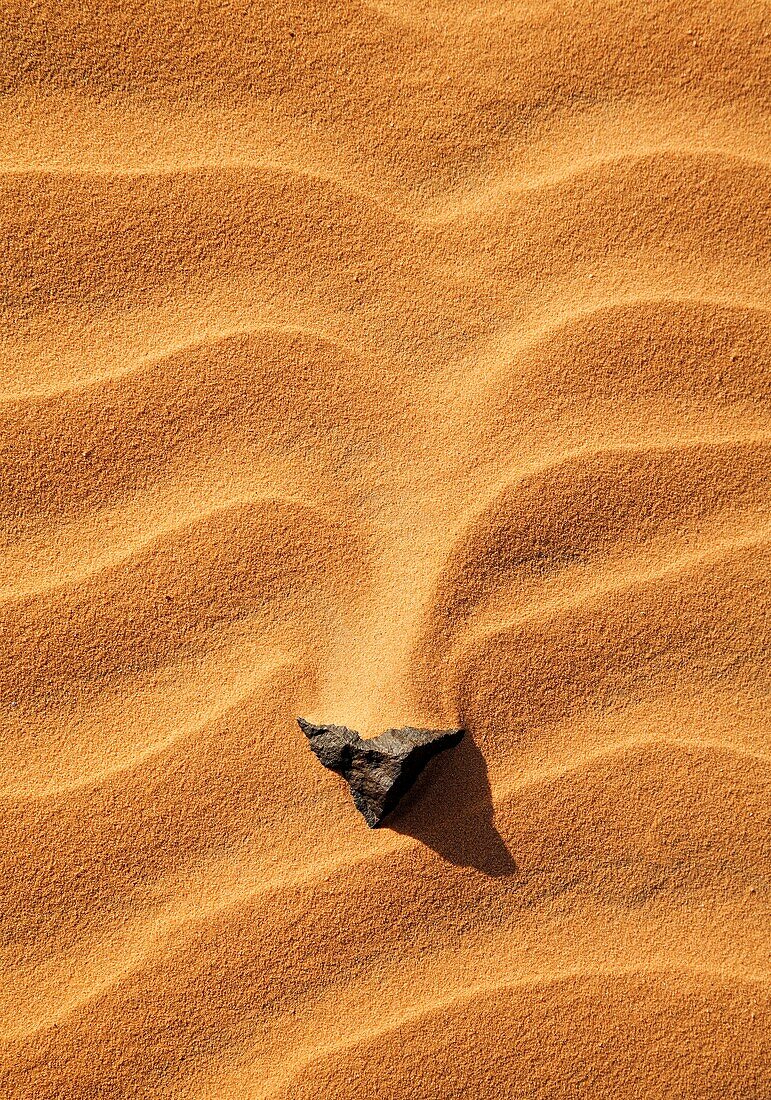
(385, 362)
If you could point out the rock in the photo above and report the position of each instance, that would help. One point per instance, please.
(380, 770)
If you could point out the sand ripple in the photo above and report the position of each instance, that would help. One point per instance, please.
(385, 362)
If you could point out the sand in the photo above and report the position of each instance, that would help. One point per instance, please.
(385, 363)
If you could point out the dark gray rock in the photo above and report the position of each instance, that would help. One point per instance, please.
(380, 770)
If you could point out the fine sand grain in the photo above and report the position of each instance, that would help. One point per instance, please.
(385, 362)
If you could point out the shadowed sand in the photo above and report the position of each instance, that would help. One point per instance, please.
(450, 809)
(389, 363)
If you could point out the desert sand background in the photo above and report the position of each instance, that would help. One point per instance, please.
(385, 363)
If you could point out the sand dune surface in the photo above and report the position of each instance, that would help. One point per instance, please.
(385, 362)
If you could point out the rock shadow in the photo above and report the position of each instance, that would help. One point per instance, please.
(450, 809)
